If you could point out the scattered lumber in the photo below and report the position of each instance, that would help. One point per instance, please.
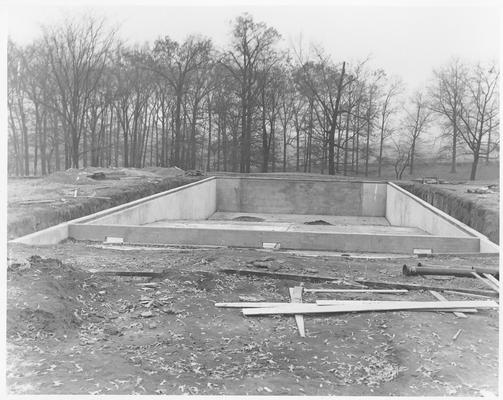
(90, 197)
(279, 275)
(486, 282)
(492, 279)
(356, 290)
(466, 272)
(28, 202)
(150, 274)
(442, 298)
(318, 302)
(413, 286)
(296, 297)
(342, 302)
(398, 306)
(248, 304)
(478, 296)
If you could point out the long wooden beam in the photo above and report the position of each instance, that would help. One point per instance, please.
(356, 290)
(492, 279)
(486, 282)
(342, 302)
(279, 275)
(399, 306)
(318, 302)
(413, 286)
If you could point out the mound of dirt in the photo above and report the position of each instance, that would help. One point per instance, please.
(246, 218)
(43, 297)
(71, 177)
(164, 172)
(317, 222)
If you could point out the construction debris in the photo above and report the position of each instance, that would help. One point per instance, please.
(386, 306)
(296, 297)
(279, 275)
(97, 176)
(429, 270)
(442, 298)
(149, 274)
(356, 290)
(412, 286)
(486, 282)
(351, 302)
(457, 334)
(30, 202)
(480, 190)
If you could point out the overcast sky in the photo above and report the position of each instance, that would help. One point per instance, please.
(406, 41)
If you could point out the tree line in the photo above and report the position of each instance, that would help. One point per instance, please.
(79, 97)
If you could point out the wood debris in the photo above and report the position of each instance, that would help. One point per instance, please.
(397, 306)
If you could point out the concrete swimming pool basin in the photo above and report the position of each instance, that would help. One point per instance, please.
(305, 214)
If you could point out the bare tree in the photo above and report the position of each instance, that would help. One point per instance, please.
(252, 52)
(447, 95)
(479, 112)
(402, 156)
(76, 53)
(387, 108)
(417, 119)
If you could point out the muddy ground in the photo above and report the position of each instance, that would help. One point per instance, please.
(72, 331)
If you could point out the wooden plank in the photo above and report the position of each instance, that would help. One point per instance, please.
(296, 297)
(493, 280)
(244, 304)
(28, 202)
(279, 275)
(413, 286)
(89, 197)
(442, 298)
(478, 296)
(356, 290)
(319, 302)
(149, 274)
(399, 306)
(485, 282)
(342, 302)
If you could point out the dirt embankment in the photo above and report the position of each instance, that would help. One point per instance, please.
(477, 211)
(25, 217)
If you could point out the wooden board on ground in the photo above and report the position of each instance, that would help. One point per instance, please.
(342, 302)
(248, 304)
(149, 274)
(399, 306)
(442, 298)
(279, 275)
(486, 282)
(478, 296)
(296, 297)
(318, 302)
(356, 290)
(413, 286)
(491, 278)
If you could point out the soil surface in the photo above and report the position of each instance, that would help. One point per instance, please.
(479, 211)
(37, 203)
(71, 330)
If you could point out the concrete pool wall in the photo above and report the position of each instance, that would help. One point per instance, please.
(250, 211)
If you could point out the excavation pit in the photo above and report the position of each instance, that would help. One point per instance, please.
(246, 211)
